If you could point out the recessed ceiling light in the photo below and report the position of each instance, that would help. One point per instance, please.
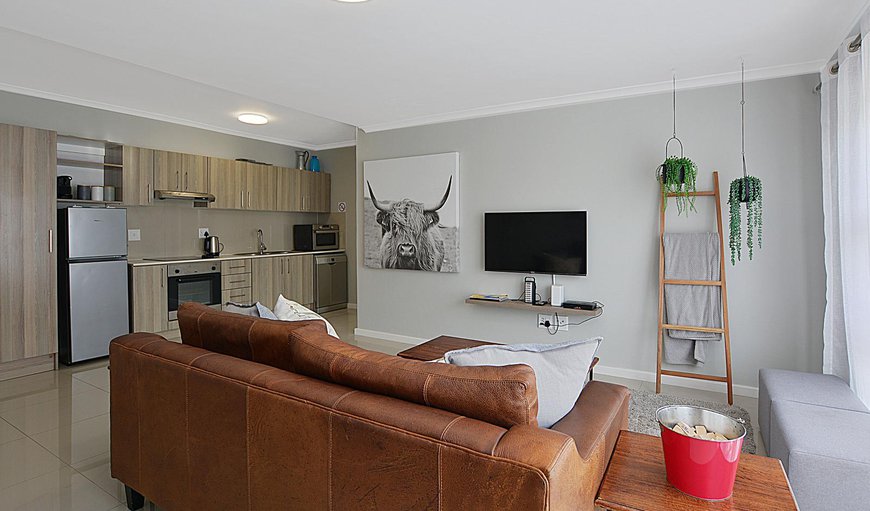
(253, 118)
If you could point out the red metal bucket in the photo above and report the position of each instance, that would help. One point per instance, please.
(701, 468)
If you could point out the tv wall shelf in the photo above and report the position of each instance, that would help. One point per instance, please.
(540, 309)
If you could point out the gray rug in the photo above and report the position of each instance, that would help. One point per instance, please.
(642, 413)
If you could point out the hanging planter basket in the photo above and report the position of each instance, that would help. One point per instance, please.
(678, 174)
(744, 190)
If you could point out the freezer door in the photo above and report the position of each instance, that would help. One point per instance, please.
(97, 232)
(98, 307)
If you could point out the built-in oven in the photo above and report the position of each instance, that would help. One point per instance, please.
(193, 282)
(310, 237)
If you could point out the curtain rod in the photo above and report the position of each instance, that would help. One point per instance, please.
(854, 46)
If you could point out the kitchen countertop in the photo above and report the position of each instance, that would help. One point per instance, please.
(143, 262)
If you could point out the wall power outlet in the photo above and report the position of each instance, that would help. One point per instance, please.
(550, 319)
(203, 231)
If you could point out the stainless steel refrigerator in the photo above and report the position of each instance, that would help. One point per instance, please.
(92, 281)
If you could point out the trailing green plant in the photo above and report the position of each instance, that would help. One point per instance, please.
(678, 175)
(745, 189)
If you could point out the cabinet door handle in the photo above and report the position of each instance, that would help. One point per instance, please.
(242, 199)
(162, 278)
(249, 199)
(50, 241)
(177, 181)
(148, 193)
(185, 180)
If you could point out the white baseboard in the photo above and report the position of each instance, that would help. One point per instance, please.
(386, 336)
(619, 372)
(712, 386)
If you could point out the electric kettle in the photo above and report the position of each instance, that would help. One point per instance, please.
(213, 246)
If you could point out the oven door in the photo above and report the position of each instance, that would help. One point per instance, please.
(204, 288)
(325, 240)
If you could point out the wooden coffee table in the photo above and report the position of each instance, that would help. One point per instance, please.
(635, 481)
(437, 347)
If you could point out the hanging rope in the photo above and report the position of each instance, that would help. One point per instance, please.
(743, 115)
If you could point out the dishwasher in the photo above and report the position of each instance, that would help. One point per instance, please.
(330, 275)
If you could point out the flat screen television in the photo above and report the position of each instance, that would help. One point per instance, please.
(551, 242)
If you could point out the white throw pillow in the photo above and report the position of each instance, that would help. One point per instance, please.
(560, 370)
(265, 312)
(288, 310)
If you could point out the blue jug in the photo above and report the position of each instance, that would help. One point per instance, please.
(314, 164)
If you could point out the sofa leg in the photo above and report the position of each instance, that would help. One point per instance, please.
(135, 500)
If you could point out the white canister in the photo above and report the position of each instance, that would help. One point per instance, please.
(97, 193)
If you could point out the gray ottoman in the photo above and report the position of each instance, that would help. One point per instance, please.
(810, 388)
(825, 453)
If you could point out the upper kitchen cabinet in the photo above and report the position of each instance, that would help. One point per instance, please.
(137, 183)
(260, 184)
(180, 172)
(303, 190)
(28, 216)
(241, 185)
(226, 181)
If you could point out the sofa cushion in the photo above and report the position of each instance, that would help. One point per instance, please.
(260, 340)
(505, 396)
(560, 370)
(809, 388)
(825, 453)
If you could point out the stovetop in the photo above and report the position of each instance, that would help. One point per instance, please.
(176, 258)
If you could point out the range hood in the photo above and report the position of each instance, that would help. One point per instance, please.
(175, 195)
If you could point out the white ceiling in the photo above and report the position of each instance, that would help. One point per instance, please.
(392, 63)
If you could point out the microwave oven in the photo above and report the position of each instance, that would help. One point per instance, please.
(311, 237)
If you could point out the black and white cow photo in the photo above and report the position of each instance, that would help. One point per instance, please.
(411, 208)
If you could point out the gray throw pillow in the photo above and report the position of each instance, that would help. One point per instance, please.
(560, 370)
(245, 310)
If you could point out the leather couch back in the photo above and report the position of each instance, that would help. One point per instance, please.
(193, 429)
(261, 340)
(502, 395)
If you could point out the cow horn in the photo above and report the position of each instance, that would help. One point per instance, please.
(432, 209)
(374, 200)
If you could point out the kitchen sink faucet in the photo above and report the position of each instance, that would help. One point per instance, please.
(261, 247)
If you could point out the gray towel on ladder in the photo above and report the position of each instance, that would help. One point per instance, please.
(692, 256)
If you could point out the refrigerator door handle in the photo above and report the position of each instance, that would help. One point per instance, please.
(51, 241)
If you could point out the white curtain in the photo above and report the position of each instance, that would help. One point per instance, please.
(846, 189)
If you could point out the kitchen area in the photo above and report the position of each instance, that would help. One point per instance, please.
(105, 238)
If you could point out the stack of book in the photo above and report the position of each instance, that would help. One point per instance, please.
(490, 298)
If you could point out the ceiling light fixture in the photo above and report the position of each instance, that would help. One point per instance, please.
(352, 1)
(253, 118)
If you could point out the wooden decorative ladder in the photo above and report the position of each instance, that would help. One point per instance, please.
(725, 331)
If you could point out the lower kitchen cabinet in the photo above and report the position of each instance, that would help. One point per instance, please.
(291, 276)
(148, 299)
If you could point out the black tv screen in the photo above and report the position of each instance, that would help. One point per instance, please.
(535, 242)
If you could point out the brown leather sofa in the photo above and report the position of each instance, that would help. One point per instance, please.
(252, 414)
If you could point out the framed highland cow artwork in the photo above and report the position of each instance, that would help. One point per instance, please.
(411, 213)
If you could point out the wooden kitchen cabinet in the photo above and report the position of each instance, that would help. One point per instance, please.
(291, 276)
(260, 183)
(28, 273)
(137, 182)
(300, 279)
(266, 280)
(180, 172)
(226, 182)
(303, 191)
(148, 299)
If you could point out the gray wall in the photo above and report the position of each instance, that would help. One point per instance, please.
(601, 157)
(341, 163)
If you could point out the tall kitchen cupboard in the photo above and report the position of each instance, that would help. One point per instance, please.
(28, 260)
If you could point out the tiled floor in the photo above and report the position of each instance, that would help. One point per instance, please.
(54, 432)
